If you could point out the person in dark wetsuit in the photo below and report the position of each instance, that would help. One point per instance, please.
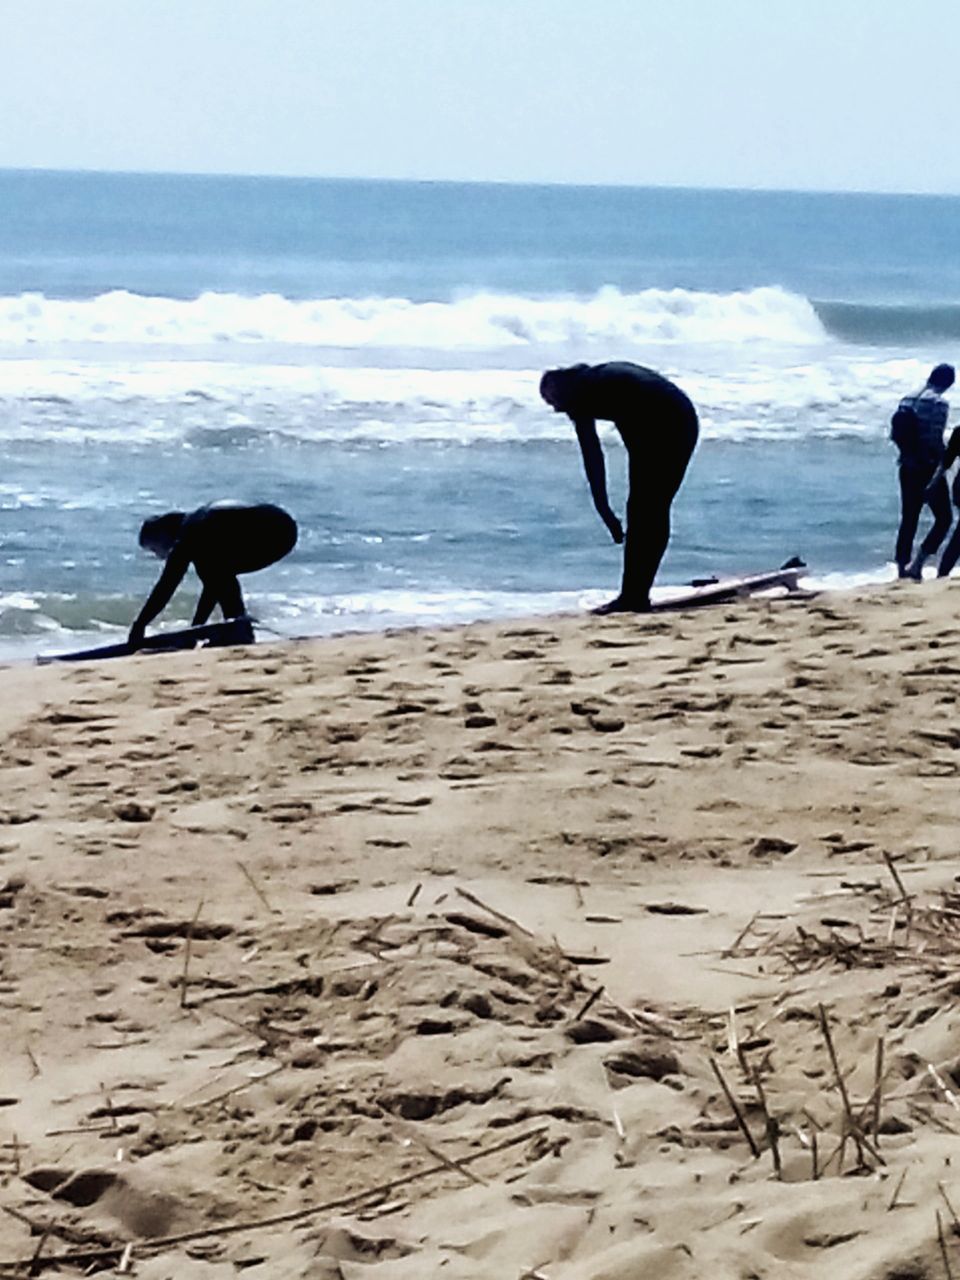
(919, 440)
(220, 540)
(658, 426)
(951, 552)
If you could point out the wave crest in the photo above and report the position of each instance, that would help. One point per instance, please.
(475, 322)
(892, 324)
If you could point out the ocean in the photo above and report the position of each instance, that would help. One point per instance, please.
(367, 354)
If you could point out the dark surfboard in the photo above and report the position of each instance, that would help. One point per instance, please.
(213, 635)
(723, 590)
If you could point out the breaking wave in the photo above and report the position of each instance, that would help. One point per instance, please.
(475, 322)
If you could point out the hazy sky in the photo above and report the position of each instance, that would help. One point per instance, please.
(830, 94)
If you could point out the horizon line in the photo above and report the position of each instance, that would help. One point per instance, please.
(481, 182)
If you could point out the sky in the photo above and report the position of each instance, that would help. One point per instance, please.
(804, 94)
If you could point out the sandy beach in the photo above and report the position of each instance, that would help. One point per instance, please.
(582, 949)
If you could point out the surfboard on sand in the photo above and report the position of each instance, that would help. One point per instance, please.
(704, 591)
(214, 634)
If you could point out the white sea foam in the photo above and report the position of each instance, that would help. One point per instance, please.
(51, 624)
(378, 610)
(475, 322)
(223, 402)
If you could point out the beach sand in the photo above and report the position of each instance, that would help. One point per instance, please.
(441, 948)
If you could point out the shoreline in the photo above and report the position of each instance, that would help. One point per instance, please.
(580, 601)
(279, 922)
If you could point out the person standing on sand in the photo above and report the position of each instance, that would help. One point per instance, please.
(917, 430)
(951, 552)
(220, 540)
(658, 426)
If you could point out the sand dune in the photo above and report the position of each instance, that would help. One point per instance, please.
(435, 953)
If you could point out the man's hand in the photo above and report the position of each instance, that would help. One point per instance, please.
(615, 527)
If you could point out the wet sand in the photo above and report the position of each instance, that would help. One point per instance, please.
(435, 953)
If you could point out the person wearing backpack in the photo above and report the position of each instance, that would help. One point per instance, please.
(917, 428)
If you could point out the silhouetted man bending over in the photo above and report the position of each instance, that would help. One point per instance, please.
(220, 540)
(658, 426)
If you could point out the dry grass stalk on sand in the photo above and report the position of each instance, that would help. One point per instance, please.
(588, 1004)
(895, 1198)
(877, 1088)
(245, 871)
(735, 1108)
(187, 950)
(411, 1134)
(941, 1084)
(943, 1247)
(905, 897)
(641, 1018)
(950, 1209)
(498, 915)
(282, 986)
(355, 1200)
(771, 1125)
(852, 1127)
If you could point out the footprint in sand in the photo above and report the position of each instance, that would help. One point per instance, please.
(765, 846)
(345, 732)
(641, 1063)
(338, 1244)
(133, 811)
(9, 891)
(127, 1195)
(405, 709)
(478, 720)
(285, 811)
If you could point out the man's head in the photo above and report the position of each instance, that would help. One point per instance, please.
(941, 378)
(159, 534)
(559, 387)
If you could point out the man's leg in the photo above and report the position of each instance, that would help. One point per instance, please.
(231, 598)
(644, 544)
(938, 500)
(912, 484)
(655, 475)
(951, 552)
(222, 589)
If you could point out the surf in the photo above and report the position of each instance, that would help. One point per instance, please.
(468, 322)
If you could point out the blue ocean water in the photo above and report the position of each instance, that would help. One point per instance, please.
(367, 354)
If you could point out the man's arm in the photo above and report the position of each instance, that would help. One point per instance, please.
(594, 466)
(952, 451)
(951, 454)
(178, 562)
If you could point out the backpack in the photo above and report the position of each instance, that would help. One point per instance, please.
(904, 426)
